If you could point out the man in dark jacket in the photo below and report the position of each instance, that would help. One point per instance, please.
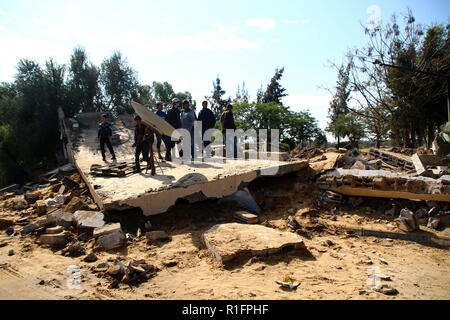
(206, 116)
(143, 142)
(105, 137)
(173, 118)
(227, 121)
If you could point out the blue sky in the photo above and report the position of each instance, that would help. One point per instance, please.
(189, 43)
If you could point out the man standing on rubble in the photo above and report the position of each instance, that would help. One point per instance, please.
(159, 136)
(143, 142)
(206, 116)
(105, 137)
(227, 122)
(187, 122)
(173, 118)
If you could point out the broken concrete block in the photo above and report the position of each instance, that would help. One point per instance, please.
(70, 184)
(66, 220)
(54, 240)
(433, 223)
(19, 203)
(54, 230)
(227, 241)
(75, 204)
(91, 257)
(114, 227)
(74, 250)
(6, 223)
(157, 235)
(89, 219)
(32, 197)
(359, 165)
(421, 213)
(41, 207)
(113, 240)
(407, 221)
(246, 217)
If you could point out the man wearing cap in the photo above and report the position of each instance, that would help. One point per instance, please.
(187, 122)
(143, 142)
(227, 121)
(163, 115)
(105, 137)
(173, 118)
(206, 116)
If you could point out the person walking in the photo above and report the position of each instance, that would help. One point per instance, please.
(105, 137)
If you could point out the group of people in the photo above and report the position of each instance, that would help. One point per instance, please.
(184, 119)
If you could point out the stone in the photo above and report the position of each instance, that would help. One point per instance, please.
(6, 223)
(433, 223)
(246, 217)
(10, 231)
(359, 165)
(10, 253)
(329, 243)
(385, 289)
(102, 267)
(74, 250)
(41, 207)
(407, 221)
(110, 228)
(54, 240)
(66, 220)
(54, 230)
(19, 203)
(170, 263)
(89, 220)
(32, 196)
(83, 237)
(70, 184)
(157, 235)
(114, 270)
(382, 260)
(421, 213)
(390, 212)
(230, 240)
(91, 257)
(75, 204)
(148, 225)
(111, 240)
(293, 223)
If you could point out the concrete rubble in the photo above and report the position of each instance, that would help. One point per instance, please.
(109, 236)
(231, 240)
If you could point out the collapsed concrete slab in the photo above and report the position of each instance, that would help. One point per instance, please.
(193, 181)
(385, 184)
(230, 240)
(394, 159)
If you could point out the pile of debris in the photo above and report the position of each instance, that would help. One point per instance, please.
(306, 153)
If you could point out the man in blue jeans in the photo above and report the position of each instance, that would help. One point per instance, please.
(163, 115)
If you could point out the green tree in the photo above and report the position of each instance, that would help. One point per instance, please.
(216, 101)
(120, 83)
(275, 92)
(84, 92)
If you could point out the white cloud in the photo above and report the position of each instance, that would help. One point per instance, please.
(220, 38)
(317, 106)
(2, 13)
(264, 23)
(301, 22)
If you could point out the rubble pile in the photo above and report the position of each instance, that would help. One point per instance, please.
(306, 153)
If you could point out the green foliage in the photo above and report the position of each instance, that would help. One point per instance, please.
(84, 92)
(120, 83)
(348, 126)
(300, 127)
(275, 92)
(216, 101)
